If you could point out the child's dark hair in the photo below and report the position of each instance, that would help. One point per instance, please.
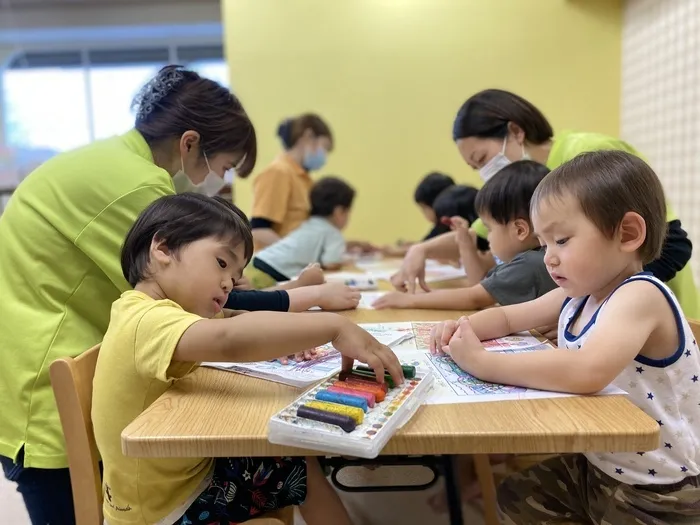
(607, 185)
(506, 196)
(178, 220)
(458, 200)
(487, 114)
(290, 130)
(178, 100)
(431, 186)
(329, 193)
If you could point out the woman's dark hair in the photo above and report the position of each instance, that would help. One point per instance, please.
(430, 187)
(179, 220)
(178, 100)
(457, 200)
(329, 193)
(290, 130)
(487, 114)
(506, 196)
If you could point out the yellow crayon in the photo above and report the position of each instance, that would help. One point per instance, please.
(356, 413)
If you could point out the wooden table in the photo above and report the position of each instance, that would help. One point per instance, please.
(214, 413)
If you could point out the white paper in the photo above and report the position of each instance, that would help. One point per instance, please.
(302, 374)
(368, 298)
(434, 271)
(360, 281)
(453, 385)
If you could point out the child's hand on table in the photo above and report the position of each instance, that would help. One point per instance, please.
(356, 344)
(393, 300)
(361, 247)
(311, 275)
(464, 344)
(335, 297)
(441, 335)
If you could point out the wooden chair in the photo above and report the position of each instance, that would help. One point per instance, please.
(695, 327)
(484, 473)
(71, 380)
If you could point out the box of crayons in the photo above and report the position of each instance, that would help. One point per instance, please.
(351, 413)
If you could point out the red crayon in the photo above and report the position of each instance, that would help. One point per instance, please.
(358, 393)
(364, 386)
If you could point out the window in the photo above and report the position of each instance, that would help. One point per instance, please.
(54, 102)
(46, 108)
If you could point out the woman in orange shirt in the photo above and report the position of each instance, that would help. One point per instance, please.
(281, 191)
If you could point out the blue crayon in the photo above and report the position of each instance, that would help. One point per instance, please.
(342, 399)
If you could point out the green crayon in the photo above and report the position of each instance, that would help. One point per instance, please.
(409, 372)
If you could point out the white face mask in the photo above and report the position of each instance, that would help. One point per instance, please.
(498, 162)
(210, 186)
(230, 176)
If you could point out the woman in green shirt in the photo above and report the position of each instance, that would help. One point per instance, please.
(61, 237)
(494, 128)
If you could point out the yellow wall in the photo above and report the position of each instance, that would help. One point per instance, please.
(389, 76)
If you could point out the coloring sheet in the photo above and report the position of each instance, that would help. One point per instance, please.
(454, 385)
(434, 271)
(300, 374)
(360, 281)
(305, 373)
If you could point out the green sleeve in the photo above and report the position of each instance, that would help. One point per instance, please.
(101, 240)
(479, 228)
(570, 144)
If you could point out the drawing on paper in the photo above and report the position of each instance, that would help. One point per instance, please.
(510, 342)
(464, 384)
(325, 362)
(421, 332)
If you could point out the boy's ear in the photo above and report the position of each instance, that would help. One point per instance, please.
(522, 229)
(160, 252)
(632, 232)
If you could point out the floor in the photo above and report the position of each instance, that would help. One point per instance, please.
(407, 508)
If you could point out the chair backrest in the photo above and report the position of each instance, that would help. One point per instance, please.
(71, 380)
(695, 327)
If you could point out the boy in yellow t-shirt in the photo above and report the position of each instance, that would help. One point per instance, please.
(183, 256)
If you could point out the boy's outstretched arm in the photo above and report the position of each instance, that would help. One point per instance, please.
(621, 332)
(472, 298)
(260, 336)
(505, 320)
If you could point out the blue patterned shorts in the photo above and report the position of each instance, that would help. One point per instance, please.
(244, 488)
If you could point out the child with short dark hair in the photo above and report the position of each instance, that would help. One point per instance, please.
(503, 205)
(318, 240)
(183, 255)
(427, 192)
(601, 218)
(458, 200)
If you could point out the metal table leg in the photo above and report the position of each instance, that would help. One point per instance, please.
(452, 489)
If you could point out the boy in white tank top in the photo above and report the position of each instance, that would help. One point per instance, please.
(600, 218)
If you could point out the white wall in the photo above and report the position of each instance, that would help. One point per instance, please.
(660, 106)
